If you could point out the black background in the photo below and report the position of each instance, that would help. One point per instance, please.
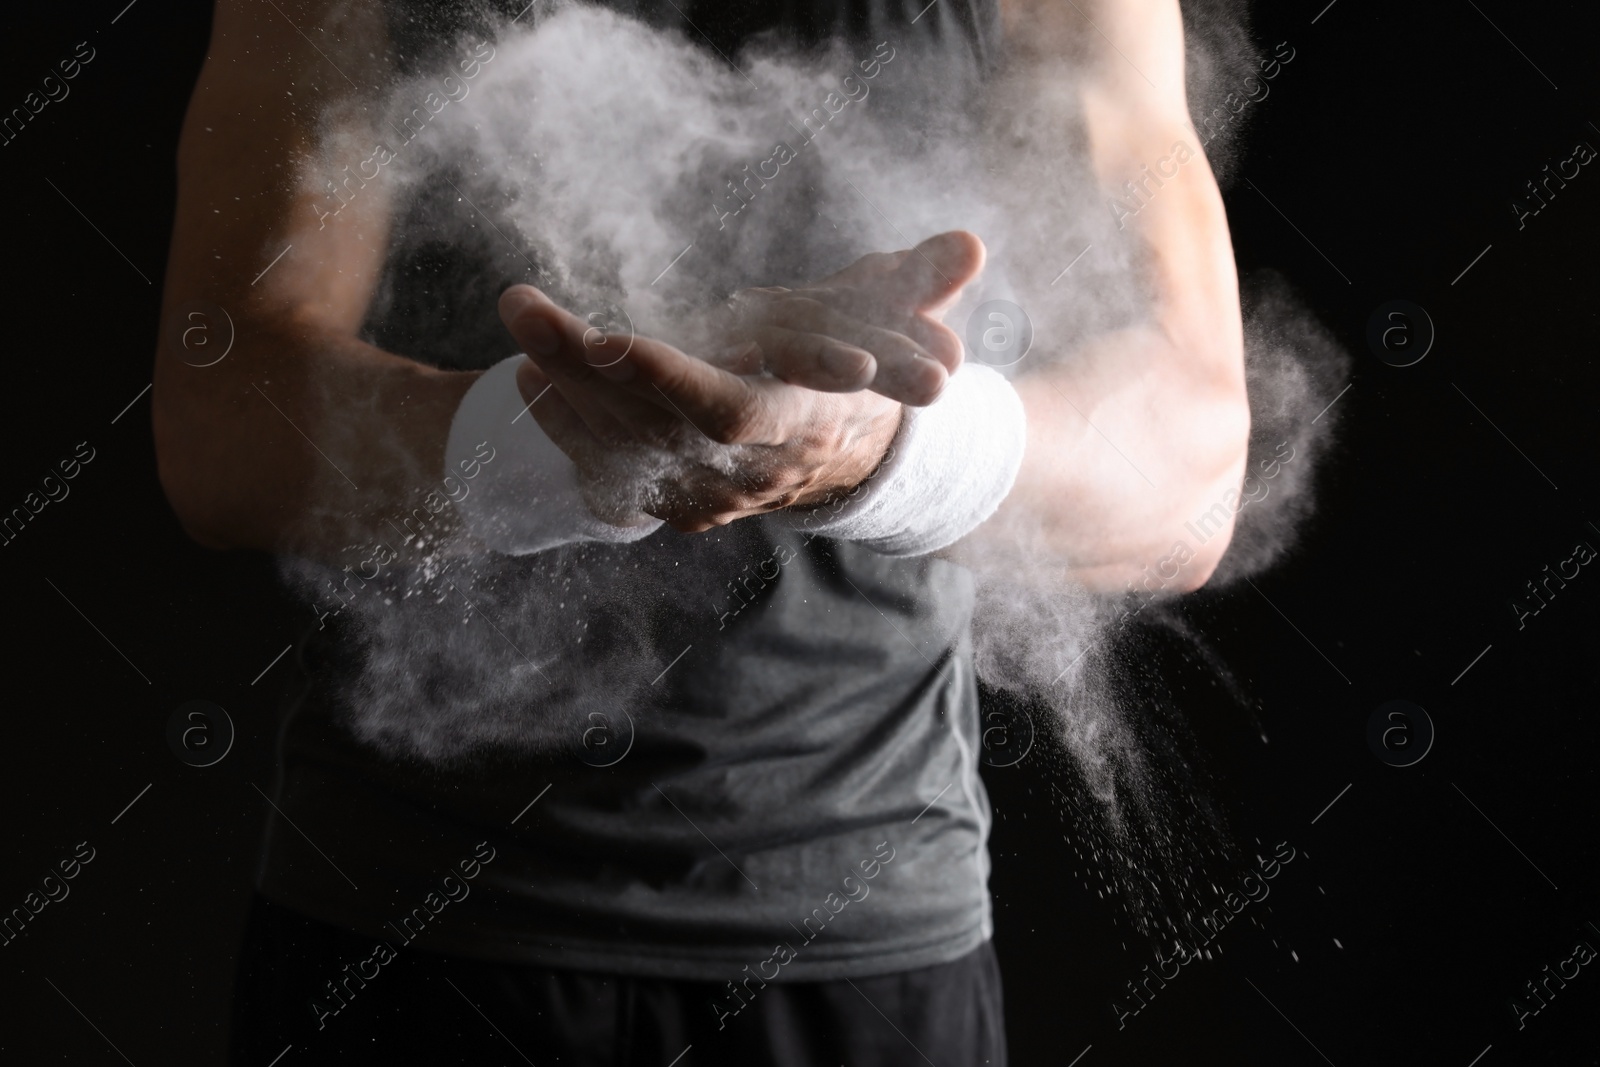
(1395, 142)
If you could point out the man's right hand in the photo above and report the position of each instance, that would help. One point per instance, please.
(809, 430)
(875, 324)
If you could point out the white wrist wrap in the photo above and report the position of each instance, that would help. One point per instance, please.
(951, 465)
(527, 499)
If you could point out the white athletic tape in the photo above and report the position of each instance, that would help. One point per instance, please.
(952, 464)
(528, 499)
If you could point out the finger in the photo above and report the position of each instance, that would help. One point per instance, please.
(688, 515)
(561, 423)
(713, 500)
(939, 340)
(603, 422)
(552, 340)
(905, 371)
(613, 416)
(531, 382)
(557, 339)
(598, 465)
(856, 314)
(908, 375)
(723, 407)
(812, 360)
(931, 276)
(880, 286)
(581, 362)
(870, 268)
(741, 358)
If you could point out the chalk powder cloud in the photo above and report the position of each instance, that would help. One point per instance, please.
(601, 182)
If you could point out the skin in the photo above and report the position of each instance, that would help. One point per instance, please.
(1145, 427)
(306, 437)
(809, 429)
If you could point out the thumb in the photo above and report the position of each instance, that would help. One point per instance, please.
(531, 382)
(930, 277)
(532, 319)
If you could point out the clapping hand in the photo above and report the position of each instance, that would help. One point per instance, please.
(809, 382)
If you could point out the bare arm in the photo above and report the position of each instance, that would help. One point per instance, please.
(1146, 427)
(307, 439)
(304, 438)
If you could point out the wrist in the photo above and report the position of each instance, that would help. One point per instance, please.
(948, 469)
(861, 463)
(529, 496)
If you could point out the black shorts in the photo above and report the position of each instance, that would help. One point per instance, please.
(424, 1007)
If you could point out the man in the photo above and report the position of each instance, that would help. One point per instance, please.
(788, 866)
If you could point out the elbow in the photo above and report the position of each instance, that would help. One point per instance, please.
(1203, 563)
(184, 483)
(1213, 528)
(1176, 558)
(194, 514)
(1205, 527)
(202, 529)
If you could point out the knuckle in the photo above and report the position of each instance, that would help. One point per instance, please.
(718, 512)
(673, 378)
(764, 482)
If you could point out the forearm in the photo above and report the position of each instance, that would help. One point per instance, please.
(1125, 445)
(1133, 433)
(310, 442)
(302, 437)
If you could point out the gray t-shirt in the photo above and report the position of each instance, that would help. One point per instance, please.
(797, 790)
(825, 733)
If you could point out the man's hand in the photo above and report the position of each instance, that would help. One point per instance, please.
(806, 429)
(875, 324)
